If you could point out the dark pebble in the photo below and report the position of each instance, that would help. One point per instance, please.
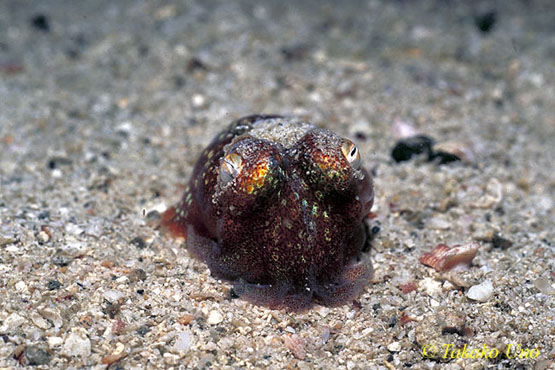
(504, 307)
(178, 82)
(61, 260)
(53, 284)
(137, 274)
(360, 136)
(196, 64)
(444, 157)
(40, 22)
(406, 148)
(486, 21)
(232, 294)
(143, 330)
(375, 229)
(111, 309)
(138, 242)
(376, 306)
(43, 215)
(58, 161)
(153, 216)
(500, 242)
(140, 291)
(35, 355)
(294, 53)
(392, 321)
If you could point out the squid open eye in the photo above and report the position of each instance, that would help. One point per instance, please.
(351, 153)
(230, 168)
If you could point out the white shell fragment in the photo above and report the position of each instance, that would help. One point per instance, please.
(493, 194)
(481, 292)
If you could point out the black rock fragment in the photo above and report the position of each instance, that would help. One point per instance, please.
(138, 242)
(414, 145)
(486, 21)
(53, 284)
(40, 22)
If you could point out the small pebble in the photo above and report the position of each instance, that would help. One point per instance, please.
(115, 356)
(11, 323)
(137, 274)
(54, 342)
(138, 242)
(214, 317)
(544, 286)
(44, 215)
(61, 260)
(196, 64)
(4, 240)
(122, 280)
(56, 173)
(112, 309)
(20, 286)
(43, 237)
(450, 151)
(40, 22)
(500, 242)
(55, 162)
(294, 52)
(53, 284)
(186, 319)
(296, 345)
(198, 100)
(430, 286)
(493, 194)
(170, 359)
(403, 129)
(12, 248)
(182, 342)
(439, 223)
(394, 347)
(113, 296)
(39, 321)
(485, 21)
(481, 292)
(143, 330)
(77, 344)
(74, 229)
(35, 355)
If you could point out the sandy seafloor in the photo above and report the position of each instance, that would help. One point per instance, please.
(104, 106)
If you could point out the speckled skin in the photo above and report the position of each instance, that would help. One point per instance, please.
(288, 229)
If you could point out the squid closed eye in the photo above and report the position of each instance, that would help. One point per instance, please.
(230, 167)
(351, 153)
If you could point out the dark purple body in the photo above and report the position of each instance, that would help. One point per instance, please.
(287, 227)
